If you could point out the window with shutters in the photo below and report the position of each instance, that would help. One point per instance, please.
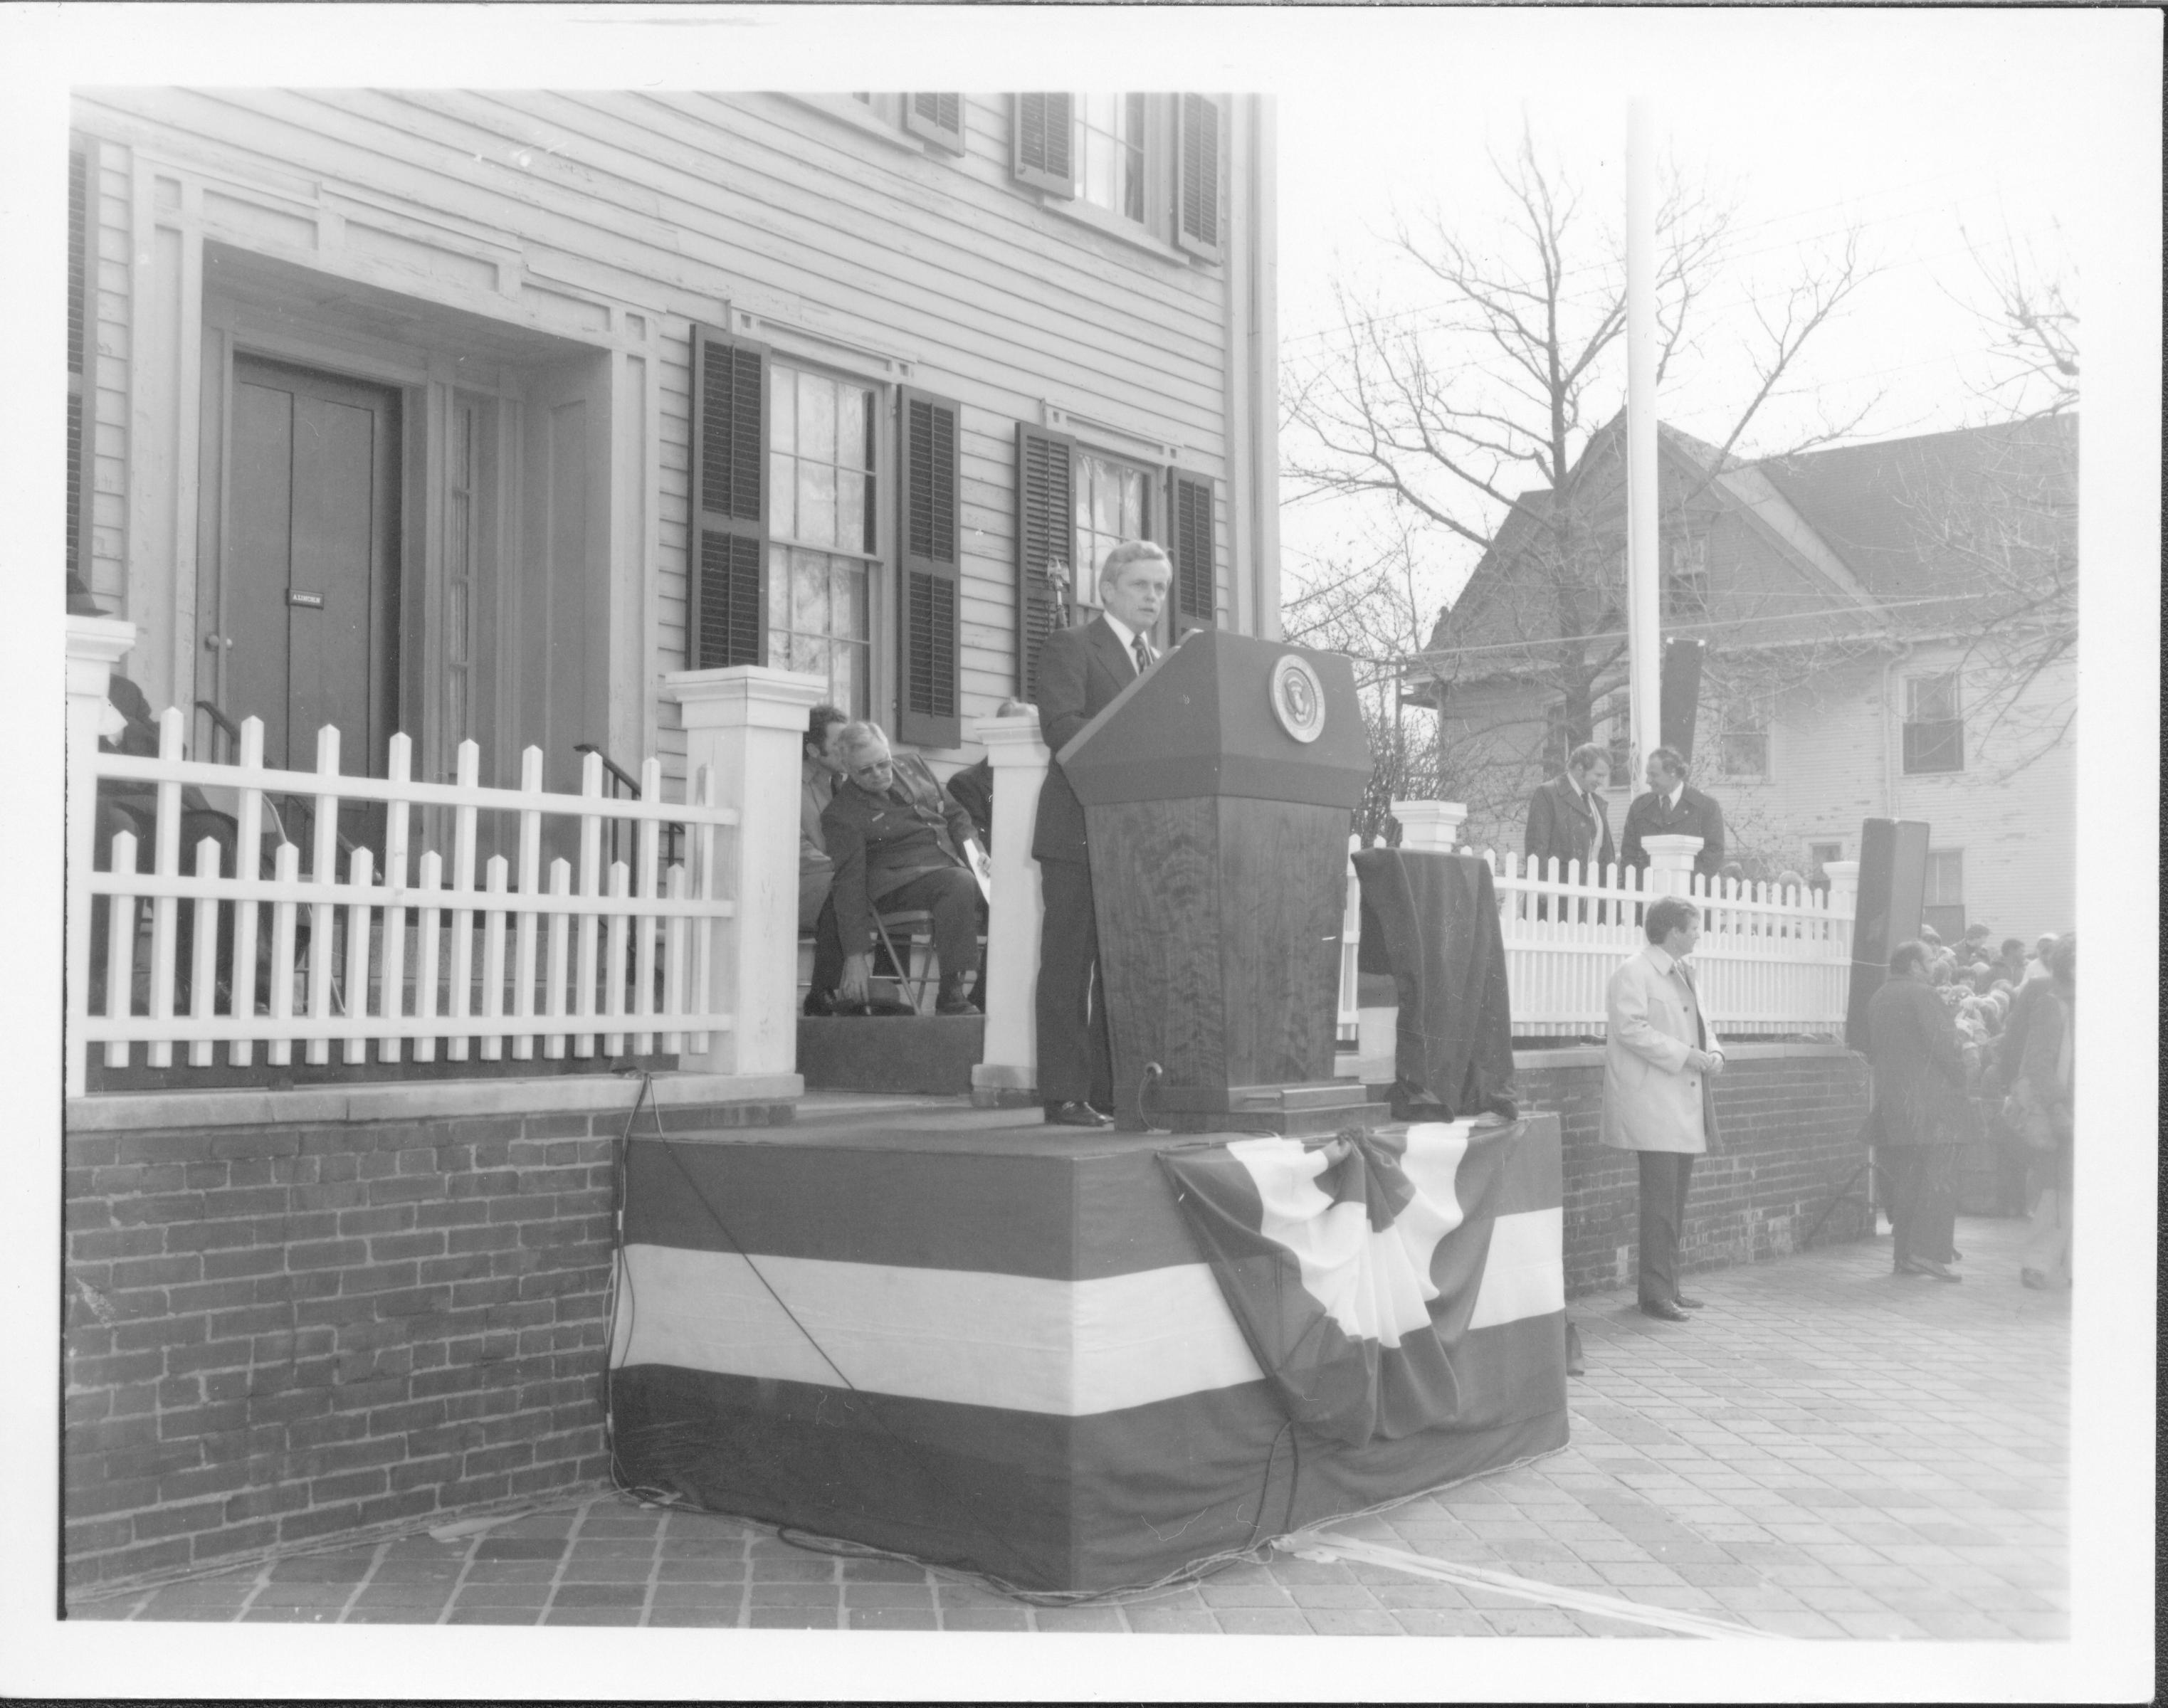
(1147, 167)
(1686, 574)
(823, 541)
(1076, 503)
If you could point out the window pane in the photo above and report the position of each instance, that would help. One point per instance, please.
(809, 592)
(1132, 523)
(816, 418)
(847, 678)
(778, 584)
(853, 512)
(781, 495)
(846, 595)
(816, 504)
(782, 411)
(853, 444)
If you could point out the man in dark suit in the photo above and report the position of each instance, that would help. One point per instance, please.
(1566, 820)
(1671, 809)
(898, 842)
(1080, 671)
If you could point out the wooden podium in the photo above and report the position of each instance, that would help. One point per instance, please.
(1217, 793)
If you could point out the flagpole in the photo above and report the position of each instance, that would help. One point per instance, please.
(1644, 617)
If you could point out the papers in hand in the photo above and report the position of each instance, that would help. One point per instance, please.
(982, 868)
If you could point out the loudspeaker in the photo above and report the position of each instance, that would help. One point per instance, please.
(1893, 884)
(1679, 692)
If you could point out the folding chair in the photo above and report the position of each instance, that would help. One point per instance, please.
(915, 966)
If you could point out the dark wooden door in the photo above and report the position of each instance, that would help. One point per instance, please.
(310, 569)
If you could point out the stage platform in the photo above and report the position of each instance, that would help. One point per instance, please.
(989, 1343)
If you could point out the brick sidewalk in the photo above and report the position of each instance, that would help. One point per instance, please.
(1824, 1451)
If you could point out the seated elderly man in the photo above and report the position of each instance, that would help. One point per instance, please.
(898, 842)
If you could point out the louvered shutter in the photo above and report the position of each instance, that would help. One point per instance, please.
(1045, 534)
(1197, 215)
(1196, 591)
(79, 389)
(939, 119)
(1045, 128)
(727, 623)
(930, 481)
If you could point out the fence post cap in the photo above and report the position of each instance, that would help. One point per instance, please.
(744, 694)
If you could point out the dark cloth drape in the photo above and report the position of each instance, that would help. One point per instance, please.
(1431, 920)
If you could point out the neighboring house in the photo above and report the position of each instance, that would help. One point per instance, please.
(470, 415)
(1889, 629)
(475, 416)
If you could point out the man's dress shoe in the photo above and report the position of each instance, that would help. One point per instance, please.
(1684, 1303)
(1663, 1310)
(1075, 1114)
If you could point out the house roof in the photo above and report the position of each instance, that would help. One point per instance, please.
(1902, 513)
(1910, 520)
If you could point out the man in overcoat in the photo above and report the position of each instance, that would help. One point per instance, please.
(1081, 670)
(1660, 1060)
(1922, 1112)
(1567, 822)
(1672, 808)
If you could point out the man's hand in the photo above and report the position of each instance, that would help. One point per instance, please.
(858, 976)
(1704, 1062)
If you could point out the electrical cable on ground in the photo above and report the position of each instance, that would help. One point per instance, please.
(1326, 1545)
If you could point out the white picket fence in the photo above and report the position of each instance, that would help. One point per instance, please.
(610, 957)
(1768, 961)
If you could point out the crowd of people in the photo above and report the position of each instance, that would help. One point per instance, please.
(1968, 1040)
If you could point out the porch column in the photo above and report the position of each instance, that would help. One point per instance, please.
(1843, 876)
(94, 645)
(747, 725)
(1671, 864)
(1009, 1074)
(1433, 826)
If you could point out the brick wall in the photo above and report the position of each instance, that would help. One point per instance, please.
(276, 1331)
(1789, 1123)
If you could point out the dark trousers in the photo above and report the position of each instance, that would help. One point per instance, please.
(951, 895)
(1663, 1213)
(1076, 1063)
(1920, 1188)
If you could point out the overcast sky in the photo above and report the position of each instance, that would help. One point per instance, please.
(1920, 128)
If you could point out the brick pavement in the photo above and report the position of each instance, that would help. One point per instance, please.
(1826, 1451)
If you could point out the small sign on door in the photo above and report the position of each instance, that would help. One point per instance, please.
(314, 602)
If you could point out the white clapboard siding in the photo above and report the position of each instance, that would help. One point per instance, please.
(672, 206)
(1767, 962)
(354, 956)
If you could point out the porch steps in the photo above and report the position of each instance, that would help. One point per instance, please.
(928, 1055)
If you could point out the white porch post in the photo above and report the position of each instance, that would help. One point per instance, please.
(747, 725)
(1671, 864)
(1430, 824)
(1843, 876)
(94, 645)
(1019, 760)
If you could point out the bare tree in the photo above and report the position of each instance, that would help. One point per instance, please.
(1375, 605)
(1480, 419)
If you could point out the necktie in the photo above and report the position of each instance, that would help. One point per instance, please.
(1143, 652)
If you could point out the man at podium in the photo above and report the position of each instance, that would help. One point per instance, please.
(1081, 670)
